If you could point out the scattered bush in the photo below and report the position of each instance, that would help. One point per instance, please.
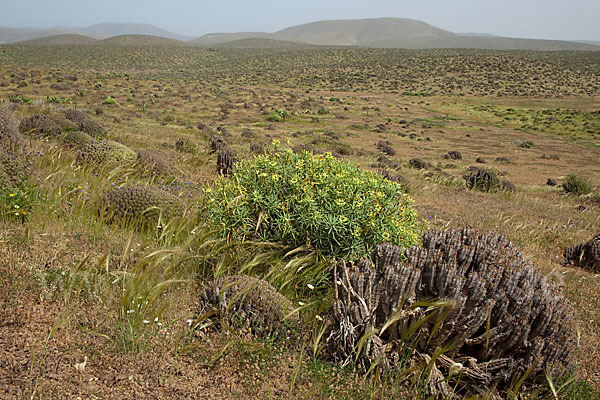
(386, 148)
(10, 137)
(110, 101)
(308, 148)
(60, 86)
(256, 147)
(217, 143)
(452, 155)
(77, 139)
(585, 255)
(108, 153)
(300, 199)
(482, 179)
(139, 205)
(508, 186)
(93, 127)
(417, 163)
(40, 125)
(577, 185)
(183, 145)
(393, 178)
(384, 162)
(251, 303)
(526, 144)
(468, 301)
(248, 134)
(12, 173)
(554, 157)
(277, 115)
(86, 123)
(154, 161)
(226, 159)
(17, 196)
(65, 124)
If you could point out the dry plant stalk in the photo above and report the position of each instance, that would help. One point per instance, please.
(585, 255)
(467, 300)
(248, 302)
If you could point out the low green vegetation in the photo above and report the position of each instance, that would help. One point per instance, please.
(577, 185)
(299, 199)
(558, 121)
(277, 115)
(18, 202)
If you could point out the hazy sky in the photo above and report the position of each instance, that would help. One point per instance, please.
(540, 19)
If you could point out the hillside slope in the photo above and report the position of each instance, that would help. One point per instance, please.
(216, 38)
(139, 40)
(263, 43)
(360, 32)
(60, 40)
(478, 42)
(12, 35)
(401, 33)
(337, 32)
(107, 30)
(98, 31)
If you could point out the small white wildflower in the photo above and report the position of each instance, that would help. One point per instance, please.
(300, 303)
(129, 311)
(146, 321)
(339, 282)
(160, 324)
(311, 287)
(16, 206)
(319, 317)
(156, 319)
(189, 322)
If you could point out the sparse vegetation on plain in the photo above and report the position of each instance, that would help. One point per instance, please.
(173, 221)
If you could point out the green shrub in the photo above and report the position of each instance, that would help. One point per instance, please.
(110, 101)
(298, 199)
(578, 185)
(278, 115)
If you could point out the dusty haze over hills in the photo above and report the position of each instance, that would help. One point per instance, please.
(374, 32)
(537, 19)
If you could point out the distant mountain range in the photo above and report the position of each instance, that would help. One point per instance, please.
(374, 32)
(99, 31)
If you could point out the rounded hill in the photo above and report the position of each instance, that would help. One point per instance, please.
(60, 40)
(263, 43)
(139, 40)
